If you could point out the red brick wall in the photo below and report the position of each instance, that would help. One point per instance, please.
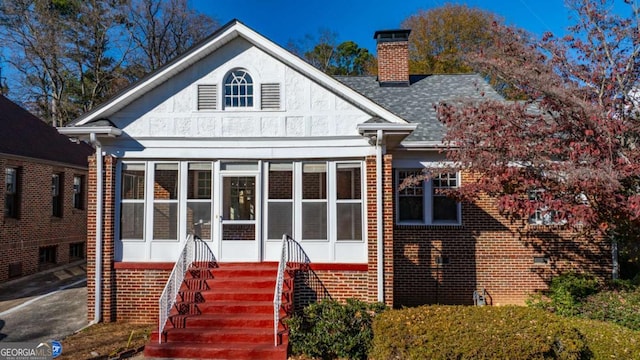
(393, 61)
(139, 288)
(35, 227)
(486, 251)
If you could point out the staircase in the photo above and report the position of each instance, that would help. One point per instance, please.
(225, 313)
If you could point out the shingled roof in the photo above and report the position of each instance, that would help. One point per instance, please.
(415, 103)
(25, 135)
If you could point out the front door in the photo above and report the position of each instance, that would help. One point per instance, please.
(238, 214)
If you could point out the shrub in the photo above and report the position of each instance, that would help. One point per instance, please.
(331, 330)
(464, 332)
(608, 341)
(566, 293)
(619, 307)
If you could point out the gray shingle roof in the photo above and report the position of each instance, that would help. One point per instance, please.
(415, 103)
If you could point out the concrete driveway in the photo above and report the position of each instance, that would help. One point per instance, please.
(43, 307)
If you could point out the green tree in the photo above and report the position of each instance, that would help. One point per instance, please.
(346, 58)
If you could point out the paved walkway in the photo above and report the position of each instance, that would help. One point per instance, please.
(45, 306)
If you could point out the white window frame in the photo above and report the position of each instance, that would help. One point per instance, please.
(331, 201)
(225, 84)
(427, 202)
(142, 201)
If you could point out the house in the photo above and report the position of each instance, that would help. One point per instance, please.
(44, 178)
(239, 141)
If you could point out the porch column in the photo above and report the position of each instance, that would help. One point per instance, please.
(387, 187)
(108, 307)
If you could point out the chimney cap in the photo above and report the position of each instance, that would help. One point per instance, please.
(392, 35)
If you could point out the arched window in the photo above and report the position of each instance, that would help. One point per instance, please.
(238, 89)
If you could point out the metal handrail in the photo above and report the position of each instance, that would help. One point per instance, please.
(194, 250)
(292, 255)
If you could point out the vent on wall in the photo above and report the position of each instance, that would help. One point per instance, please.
(270, 96)
(207, 97)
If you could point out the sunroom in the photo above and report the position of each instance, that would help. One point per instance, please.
(241, 208)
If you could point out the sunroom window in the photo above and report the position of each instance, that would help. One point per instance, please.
(132, 203)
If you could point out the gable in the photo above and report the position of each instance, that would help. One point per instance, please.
(162, 104)
(304, 107)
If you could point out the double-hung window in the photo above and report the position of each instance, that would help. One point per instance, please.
(132, 203)
(423, 201)
(78, 200)
(11, 195)
(56, 195)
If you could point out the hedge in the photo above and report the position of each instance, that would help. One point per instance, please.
(465, 332)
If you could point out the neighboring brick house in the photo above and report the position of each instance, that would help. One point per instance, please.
(241, 141)
(44, 186)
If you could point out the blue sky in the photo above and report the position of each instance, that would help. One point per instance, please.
(357, 20)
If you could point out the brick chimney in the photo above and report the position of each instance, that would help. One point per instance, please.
(393, 57)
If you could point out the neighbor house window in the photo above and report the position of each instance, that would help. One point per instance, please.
(56, 195)
(132, 201)
(423, 201)
(76, 251)
(78, 198)
(238, 89)
(11, 195)
(47, 256)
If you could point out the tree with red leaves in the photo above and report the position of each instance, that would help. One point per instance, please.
(570, 154)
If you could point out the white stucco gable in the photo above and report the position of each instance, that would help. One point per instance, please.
(307, 108)
(165, 104)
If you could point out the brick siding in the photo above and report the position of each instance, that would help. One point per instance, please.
(446, 264)
(35, 227)
(393, 61)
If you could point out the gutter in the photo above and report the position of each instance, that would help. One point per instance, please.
(99, 205)
(379, 218)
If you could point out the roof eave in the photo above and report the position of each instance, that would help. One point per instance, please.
(79, 131)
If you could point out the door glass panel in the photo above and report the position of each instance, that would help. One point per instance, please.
(239, 197)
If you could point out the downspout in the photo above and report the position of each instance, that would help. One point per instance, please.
(379, 217)
(99, 200)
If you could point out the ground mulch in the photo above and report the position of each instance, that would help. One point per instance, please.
(106, 341)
